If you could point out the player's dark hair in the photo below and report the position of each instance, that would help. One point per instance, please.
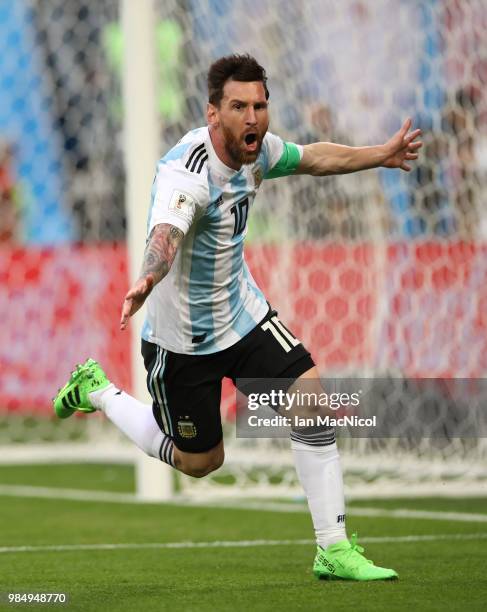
(237, 68)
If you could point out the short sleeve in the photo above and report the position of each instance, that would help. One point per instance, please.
(274, 147)
(178, 196)
(287, 163)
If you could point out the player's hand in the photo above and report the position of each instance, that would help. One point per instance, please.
(135, 298)
(402, 147)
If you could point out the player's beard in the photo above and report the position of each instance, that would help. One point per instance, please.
(234, 148)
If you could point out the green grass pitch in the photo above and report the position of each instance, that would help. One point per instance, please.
(441, 574)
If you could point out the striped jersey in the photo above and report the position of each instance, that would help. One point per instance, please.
(208, 300)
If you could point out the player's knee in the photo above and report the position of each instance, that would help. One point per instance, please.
(200, 465)
(201, 470)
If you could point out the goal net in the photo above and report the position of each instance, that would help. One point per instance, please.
(381, 274)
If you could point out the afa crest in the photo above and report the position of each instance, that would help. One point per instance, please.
(187, 429)
(258, 175)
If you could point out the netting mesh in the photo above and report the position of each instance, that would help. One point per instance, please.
(379, 273)
(63, 256)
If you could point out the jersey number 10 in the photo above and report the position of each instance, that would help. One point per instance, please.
(241, 211)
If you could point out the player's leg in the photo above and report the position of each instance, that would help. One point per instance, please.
(199, 464)
(318, 467)
(88, 390)
(271, 351)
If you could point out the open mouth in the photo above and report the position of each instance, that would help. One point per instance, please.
(251, 142)
(250, 138)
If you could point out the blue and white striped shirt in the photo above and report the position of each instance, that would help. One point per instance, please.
(208, 301)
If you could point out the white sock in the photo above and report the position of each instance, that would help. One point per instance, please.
(320, 474)
(135, 420)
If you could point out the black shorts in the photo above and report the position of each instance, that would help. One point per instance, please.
(186, 389)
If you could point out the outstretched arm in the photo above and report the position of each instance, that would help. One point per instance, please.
(159, 254)
(323, 158)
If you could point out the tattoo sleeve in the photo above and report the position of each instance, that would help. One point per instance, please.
(160, 251)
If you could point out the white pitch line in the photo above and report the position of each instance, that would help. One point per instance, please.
(130, 498)
(73, 494)
(235, 543)
(420, 514)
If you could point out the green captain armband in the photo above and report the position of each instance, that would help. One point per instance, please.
(287, 163)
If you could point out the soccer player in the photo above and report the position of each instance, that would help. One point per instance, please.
(206, 317)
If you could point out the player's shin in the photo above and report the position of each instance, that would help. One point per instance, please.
(136, 421)
(318, 467)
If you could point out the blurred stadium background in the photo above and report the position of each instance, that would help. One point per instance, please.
(381, 274)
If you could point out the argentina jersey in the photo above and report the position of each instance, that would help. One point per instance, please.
(208, 301)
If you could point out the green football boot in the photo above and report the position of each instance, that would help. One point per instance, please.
(73, 396)
(344, 561)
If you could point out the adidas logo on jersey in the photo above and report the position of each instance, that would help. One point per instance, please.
(197, 159)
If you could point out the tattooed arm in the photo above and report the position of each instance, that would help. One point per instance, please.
(160, 252)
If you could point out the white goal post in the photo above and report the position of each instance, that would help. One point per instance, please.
(141, 146)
